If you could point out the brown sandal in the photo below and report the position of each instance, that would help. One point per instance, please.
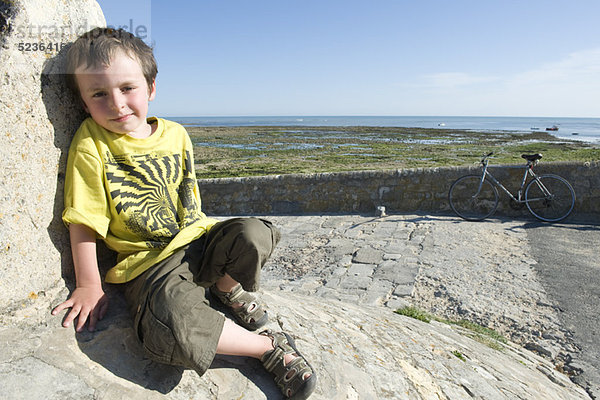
(249, 314)
(290, 377)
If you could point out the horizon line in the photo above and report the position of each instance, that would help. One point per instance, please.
(369, 116)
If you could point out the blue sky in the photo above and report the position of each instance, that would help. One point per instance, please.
(378, 57)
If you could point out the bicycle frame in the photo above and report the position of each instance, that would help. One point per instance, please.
(519, 197)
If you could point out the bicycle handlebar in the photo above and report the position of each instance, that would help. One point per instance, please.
(486, 156)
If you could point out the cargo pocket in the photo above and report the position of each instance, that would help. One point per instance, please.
(157, 338)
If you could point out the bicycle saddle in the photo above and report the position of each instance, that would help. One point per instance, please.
(531, 157)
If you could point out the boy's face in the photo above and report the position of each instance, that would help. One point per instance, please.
(117, 95)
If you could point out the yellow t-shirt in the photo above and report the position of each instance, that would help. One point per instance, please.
(139, 195)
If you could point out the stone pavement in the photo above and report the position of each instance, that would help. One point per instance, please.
(333, 282)
(362, 260)
(494, 273)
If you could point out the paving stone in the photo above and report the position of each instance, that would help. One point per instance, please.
(394, 271)
(377, 293)
(345, 260)
(392, 256)
(355, 282)
(386, 233)
(339, 271)
(368, 255)
(361, 269)
(403, 290)
(396, 247)
(341, 246)
(352, 233)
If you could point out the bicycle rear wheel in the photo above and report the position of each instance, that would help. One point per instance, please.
(470, 203)
(550, 198)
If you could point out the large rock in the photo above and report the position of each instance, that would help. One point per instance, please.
(38, 118)
(359, 352)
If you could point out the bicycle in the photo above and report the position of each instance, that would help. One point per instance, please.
(548, 197)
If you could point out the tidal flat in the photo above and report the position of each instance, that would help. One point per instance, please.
(267, 150)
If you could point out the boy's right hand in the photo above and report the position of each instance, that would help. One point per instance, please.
(85, 302)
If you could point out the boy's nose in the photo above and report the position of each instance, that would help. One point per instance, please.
(117, 101)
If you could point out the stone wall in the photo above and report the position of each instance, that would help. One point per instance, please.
(423, 190)
(37, 118)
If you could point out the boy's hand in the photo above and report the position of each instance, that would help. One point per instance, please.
(88, 299)
(85, 302)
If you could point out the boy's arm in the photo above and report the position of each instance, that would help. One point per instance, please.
(88, 299)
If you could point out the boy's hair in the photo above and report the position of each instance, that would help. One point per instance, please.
(98, 46)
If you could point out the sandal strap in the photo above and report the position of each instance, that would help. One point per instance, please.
(288, 377)
(250, 314)
(228, 298)
(271, 358)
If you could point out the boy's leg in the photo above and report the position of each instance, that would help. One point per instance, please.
(167, 298)
(294, 376)
(237, 341)
(176, 325)
(235, 252)
(237, 248)
(172, 317)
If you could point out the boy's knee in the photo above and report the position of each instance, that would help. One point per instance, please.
(256, 228)
(259, 235)
(239, 247)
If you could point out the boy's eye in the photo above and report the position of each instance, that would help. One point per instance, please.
(98, 94)
(127, 88)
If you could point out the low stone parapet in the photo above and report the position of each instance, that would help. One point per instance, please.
(402, 190)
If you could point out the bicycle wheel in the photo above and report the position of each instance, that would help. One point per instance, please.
(550, 198)
(470, 203)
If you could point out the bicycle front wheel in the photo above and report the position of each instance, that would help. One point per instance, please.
(471, 202)
(550, 198)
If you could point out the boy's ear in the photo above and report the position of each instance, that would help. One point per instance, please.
(152, 91)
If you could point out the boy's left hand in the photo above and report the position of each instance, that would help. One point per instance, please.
(85, 302)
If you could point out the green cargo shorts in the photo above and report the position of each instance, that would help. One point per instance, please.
(172, 317)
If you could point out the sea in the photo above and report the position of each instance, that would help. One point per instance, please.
(583, 129)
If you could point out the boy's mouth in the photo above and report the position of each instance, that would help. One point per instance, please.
(122, 118)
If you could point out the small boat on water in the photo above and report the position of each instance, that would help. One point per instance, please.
(575, 133)
(552, 128)
(535, 128)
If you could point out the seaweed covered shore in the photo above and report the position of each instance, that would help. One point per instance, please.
(267, 150)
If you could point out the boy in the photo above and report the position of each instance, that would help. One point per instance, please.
(131, 181)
